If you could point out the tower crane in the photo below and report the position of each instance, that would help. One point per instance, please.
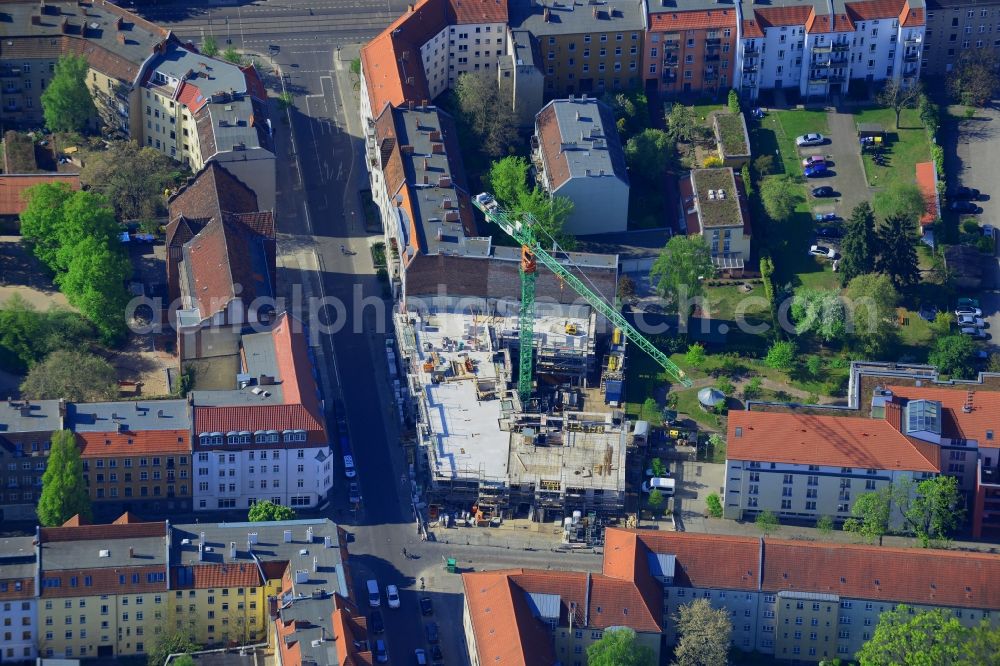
(522, 229)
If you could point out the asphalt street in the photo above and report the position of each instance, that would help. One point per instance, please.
(305, 48)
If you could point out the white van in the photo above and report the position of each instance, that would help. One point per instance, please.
(349, 470)
(664, 485)
(374, 597)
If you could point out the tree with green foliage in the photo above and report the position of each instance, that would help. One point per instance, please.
(656, 501)
(648, 154)
(619, 647)
(72, 375)
(941, 326)
(932, 509)
(900, 199)
(626, 288)
(267, 511)
(824, 524)
(704, 634)
(210, 47)
(551, 214)
(924, 638)
(695, 355)
(680, 270)
(747, 182)
(898, 95)
(781, 355)
(682, 125)
(870, 515)
(780, 195)
(66, 101)
(133, 178)
(767, 281)
(64, 492)
(993, 364)
(42, 220)
(657, 467)
(859, 247)
(713, 503)
(955, 355)
(763, 165)
(820, 312)
(171, 642)
(650, 411)
(184, 660)
(487, 113)
(31, 335)
(508, 180)
(631, 111)
(975, 78)
(734, 101)
(232, 55)
(814, 366)
(767, 522)
(753, 388)
(871, 304)
(897, 255)
(94, 282)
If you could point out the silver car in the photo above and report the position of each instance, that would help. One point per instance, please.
(967, 320)
(812, 139)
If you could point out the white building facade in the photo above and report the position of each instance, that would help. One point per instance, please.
(460, 49)
(237, 469)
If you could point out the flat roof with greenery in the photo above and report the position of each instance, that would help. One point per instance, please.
(713, 210)
(20, 153)
(732, 133)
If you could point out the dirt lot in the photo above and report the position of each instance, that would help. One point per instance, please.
(20, 273)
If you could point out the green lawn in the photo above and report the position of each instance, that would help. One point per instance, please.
(722, 302)
(906, 146)
(687, 403)
(783, 127)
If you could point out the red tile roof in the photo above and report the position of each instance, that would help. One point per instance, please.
(191, 96)
(294, 367)
(206, 576)
(834, 441)
(956, 422)
(752, 28)
(255, 87)
(259, 417)
(769, 17)
(102, 444)
(875, 9)
(686, 189)
(105, 580)
(103, 532)
(912, 17)
(927, 182)
(13, 186)
(478, 11)
(895, 575)
(829, 23)
(700, 19)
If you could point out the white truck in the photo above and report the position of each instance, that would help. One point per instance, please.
(664, 485)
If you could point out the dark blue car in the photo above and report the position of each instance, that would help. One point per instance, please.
(817, 171)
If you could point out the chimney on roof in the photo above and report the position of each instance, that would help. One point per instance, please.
(309, 535)
(435, 135)
(315, 564)
(287, 536)
(131, 552)
(119, 23)
(62, 407)
(409, 80)
(546, 14)
(424, 104)
(444, 181)
(426, 180)
(437, 148)
(36, 19)
(446, 204)
(410, 103)
(64, 27)
(406, 150)
(201, 552)
(409, 7)
(328, 542)
(426, 165)
(232, 550)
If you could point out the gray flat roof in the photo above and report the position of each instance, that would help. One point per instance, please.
(134, 414)
(569, 18)
(231, 125)
(258, 350)
(211, 76)
(86, 554)
(524, 48)
(29, 416)
(589, 147)
(664, 6)
(17, 558)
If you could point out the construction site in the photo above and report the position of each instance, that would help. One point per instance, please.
(483, 450)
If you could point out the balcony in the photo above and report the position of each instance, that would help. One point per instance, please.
(911, 57)
(836, 79)
(818, 81)
(749, 51)
(912, 41)
(10, 72)
(710, 76)
(822, 48)
(839, 58)
(841, 47)
(713, 41)
(669, 77)
(712, 57)
(670, 62)
(749, 69)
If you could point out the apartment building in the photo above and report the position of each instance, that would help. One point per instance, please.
(591, 47)
(578, 155)
(198, 109)
(303, 641)
(818, 48)
(26, 429)
(953, 28)
(115, 42)
(266, 437)
(110, 590)
(690, 48)
(221, 264)
(713, 206)
(795, 600)
(806, 466)
(18, 605)
(136, 455)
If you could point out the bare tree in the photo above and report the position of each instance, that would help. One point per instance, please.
(897, 96)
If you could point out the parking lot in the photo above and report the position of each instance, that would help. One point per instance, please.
(844, 160)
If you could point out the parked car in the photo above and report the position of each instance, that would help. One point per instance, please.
(349, 470)
(426, 607)
(381, 655)
(436, 655)
(431, 629)
(826, 217)
(963, 206)
(814, 159)
(823, 251)
(966, 301)
(811, 139)
(973, 332)
(928, 312)
(968, 310)
(354, 493)
(967, 320)
(970, 193)
(989, 231)
(818, 171)
(378, 626)
(829, 232)
(392, 593)
(419, 657)
(822, 190)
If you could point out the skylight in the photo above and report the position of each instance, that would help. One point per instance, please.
(923, 416)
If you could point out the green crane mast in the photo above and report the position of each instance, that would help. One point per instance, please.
(522, 230)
